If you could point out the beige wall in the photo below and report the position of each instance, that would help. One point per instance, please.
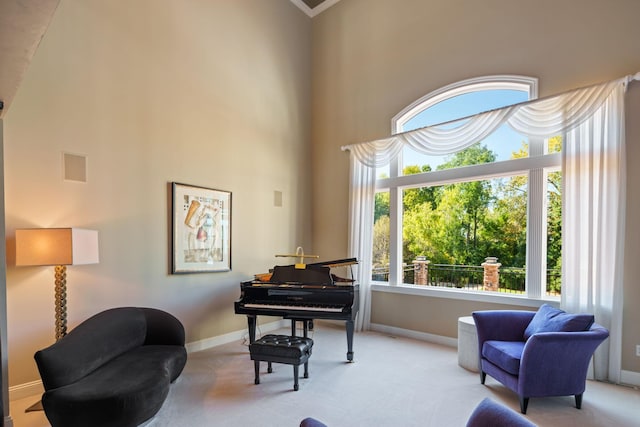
(209, 93)
(631, 314)
(4, 358)
(371, 58)
(437, 316)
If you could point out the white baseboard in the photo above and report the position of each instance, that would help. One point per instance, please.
(20, 391)
(436, 339)
(630, 378)
(233, 336)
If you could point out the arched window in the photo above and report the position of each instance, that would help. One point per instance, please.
(461, 218)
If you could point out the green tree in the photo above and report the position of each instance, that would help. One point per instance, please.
(463, 223)
(554, 220)
(381, 206)
(417, 196)
(419, 232)
(380, 250)
(464, 207)
(506, 227)
(473, 155)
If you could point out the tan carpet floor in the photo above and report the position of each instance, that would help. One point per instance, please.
(393, 381)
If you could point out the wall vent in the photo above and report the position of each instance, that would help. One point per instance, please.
(74, 167)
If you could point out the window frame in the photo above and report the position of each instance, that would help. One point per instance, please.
(536, 167)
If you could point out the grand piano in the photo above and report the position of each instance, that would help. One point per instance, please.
(302, 292)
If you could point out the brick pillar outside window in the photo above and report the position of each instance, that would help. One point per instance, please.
(421, 271)
(491, 278)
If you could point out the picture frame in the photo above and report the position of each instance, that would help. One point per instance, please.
(201, 229)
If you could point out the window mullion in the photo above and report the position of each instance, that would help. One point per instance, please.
(395, 225)
(536, 226)
(395, 235)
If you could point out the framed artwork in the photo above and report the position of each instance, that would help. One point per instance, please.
(201, 228)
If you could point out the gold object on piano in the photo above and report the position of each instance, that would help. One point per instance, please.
(299, 254)
(263, 277)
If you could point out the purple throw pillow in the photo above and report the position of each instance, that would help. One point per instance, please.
(549, 319)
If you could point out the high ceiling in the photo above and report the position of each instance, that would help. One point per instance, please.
(314, 7)
(23, 24)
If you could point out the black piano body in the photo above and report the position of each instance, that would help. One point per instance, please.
(302, 294)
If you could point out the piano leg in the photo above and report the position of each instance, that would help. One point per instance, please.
(349, 327)
(251, 321)
(305, 327)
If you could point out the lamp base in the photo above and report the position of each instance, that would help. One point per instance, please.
(61, 316)
(61, 301)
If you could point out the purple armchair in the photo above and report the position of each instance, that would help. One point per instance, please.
(537, 354)
(490, 413)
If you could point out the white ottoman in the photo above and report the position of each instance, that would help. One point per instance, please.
(467, 344)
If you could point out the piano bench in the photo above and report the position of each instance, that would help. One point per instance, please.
(282, 349)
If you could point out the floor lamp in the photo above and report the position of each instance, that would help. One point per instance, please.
(57, 247)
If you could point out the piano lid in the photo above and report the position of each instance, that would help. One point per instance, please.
(313, 274)
(337, 263)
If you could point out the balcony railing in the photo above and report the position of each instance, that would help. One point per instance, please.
(469, 277)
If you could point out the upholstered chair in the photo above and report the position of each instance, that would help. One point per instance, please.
(311, 422)
(537, 354)
(490, 413)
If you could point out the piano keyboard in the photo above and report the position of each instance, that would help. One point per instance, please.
(274, 306)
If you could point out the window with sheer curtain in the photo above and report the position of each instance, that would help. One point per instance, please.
(590, 121)
(457, 217)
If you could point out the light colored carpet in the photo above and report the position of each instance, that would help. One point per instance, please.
(393, 382)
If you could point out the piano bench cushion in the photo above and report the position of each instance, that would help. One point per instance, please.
(281, 348)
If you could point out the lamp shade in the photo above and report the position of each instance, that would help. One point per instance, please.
(56, 246)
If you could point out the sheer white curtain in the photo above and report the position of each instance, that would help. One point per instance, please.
(592, 121)
(361, 204)
(593, 223)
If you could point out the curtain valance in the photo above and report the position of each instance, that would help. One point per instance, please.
(538, 118)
